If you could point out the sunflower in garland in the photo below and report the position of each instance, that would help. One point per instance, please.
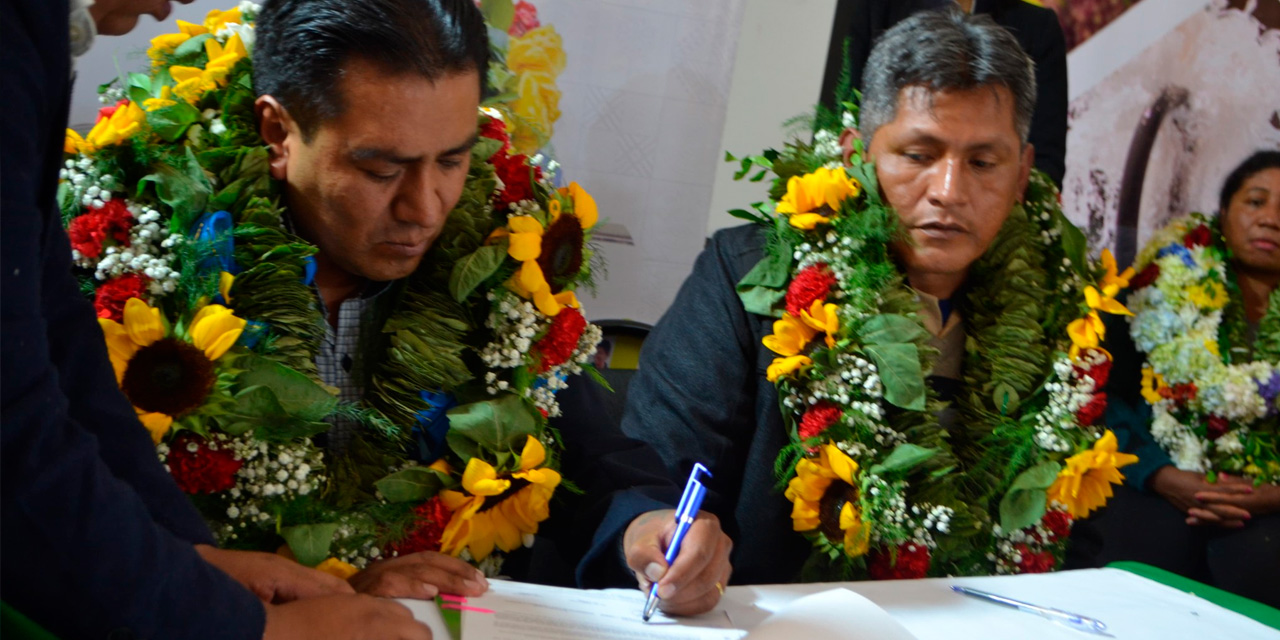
(168, 372)
(825, 499)
(551, 257)
(495, 511)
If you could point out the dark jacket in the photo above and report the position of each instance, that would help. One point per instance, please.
(1036, 28)
(92, 523)
(700, 395)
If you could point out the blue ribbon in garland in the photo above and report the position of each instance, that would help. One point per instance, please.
(433, 424)
(542, 382)
(214, 229)
(310, 275)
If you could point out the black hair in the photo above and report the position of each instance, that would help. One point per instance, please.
(301, 47)
(941, 50)
(1259, 161)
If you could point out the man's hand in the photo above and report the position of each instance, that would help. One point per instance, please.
(272, 578)
(694, 583)
(1230, 502)
(349, 617)
(422, 575)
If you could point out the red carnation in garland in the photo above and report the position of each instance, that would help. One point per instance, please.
(1200, 236)
(203, 470)
(425, 532)
(1217, 427)
(1035, 561)
(561, 340)
(1100, 373)
(1181, 393)
(516, 175)
(111, 296)
(1058, 523)
(913, 562)
(812, 283)
(495, 129)
(89, 232)
(1090, 413)
(817, 418)
(1145, 278)
(107, 112)
(526, 19)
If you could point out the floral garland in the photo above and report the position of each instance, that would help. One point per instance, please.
(876, 485)
(527, 59)
(1215, 400)
(211, 321)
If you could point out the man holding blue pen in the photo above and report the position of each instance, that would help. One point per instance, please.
(946, 108)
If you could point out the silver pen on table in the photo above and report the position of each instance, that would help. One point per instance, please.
(1073, 620)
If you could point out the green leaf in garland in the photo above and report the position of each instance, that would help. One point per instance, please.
(297, 395)
(891, 329)
(181, 184)
(1074, 244)
(191, 47)
(903, 458)
(1028, 496)
(170, 123)
(139, 88)
(310, 542)
(413, 484)
(900, 374)
(474, 269)
(491, 425)
(484, 149)
(499, 14)
(766, 283)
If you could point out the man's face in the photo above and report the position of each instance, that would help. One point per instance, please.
(952, 165)
(374, 186)
(118, 17)
(1251, 223)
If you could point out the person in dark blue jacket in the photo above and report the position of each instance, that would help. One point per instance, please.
(97, 540)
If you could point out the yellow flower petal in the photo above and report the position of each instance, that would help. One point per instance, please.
(158, 424)
(857, 536)
(584, 205)
(840, 463)
(533, 454)
(808, 221)
(481, 479)
(525, 246)
(568, 299)
(142, 322)
(215, 329)
(524, 224)
(120, 347)
(546, 303)
(225, 280)
(786, 366)
(337, 568)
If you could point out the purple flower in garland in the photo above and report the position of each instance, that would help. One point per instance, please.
(1269, 391)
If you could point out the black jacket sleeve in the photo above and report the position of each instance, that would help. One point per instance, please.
(75, 529)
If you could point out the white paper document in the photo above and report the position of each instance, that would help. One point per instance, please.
(835, 613)
(534, 612)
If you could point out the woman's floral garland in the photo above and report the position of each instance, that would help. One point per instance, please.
(205, 297)
(1215, 400)
(876, 485)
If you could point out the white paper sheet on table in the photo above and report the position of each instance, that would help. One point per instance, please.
(534, 612)
(1134, 608)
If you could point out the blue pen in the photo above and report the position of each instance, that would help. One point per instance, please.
(686, 511)
(1073, 620)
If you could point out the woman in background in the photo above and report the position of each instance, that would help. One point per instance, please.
(1194, 395)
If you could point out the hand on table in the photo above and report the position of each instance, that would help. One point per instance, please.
(272, 578)
(694, 583)
(421, 575)
(1230, 502)
(346, 617)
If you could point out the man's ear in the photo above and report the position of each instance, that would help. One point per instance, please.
(846, 144)
(1027, 161)
(275, 126)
